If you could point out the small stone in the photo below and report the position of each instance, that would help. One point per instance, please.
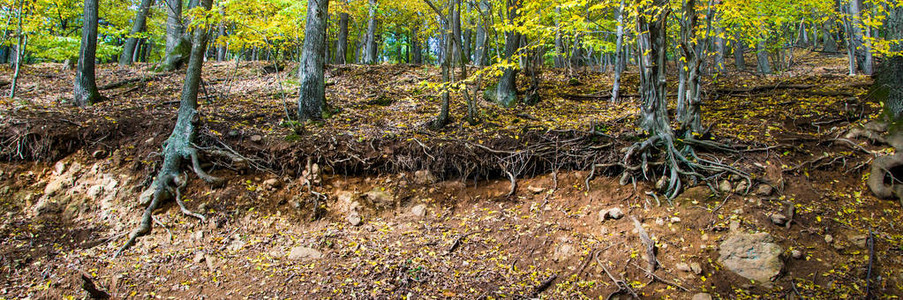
(702, 296)
(725, 186)
(197, 236)
(424, 177)
(271, 183)
(59, 168)
(535, 190)
(741, 187)
(675, 220)
(98, 154)
(199, 257)
(683, 267)
(764, 190)
(354, 218)
(611, 213)
(233, 133)
(778, 219)
(796, 254)
(659, 221)
(860, 240)
(304, 253)
(256, 138)
(829, 239)
(735, 225)
(696, 268)
(419, 210)
(753, 256)
(149, 141)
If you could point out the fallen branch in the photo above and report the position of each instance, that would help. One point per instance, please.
(89, 286)
(120, 83)
(648, 244)
(543, 286)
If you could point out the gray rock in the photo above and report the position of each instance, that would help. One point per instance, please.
(695, 268)
(380, 197)
(354, 218)
(741, 187)
(304, 253)
(535, 190)
(764, 190)
(199, 257)
(256, 138)
(725, 186)
(860, 240)
(611, 213)
(702, 296)
(271, 183)
(778, 219)
(682, 266)
(419, 210)
(753, 256)
(796, 254)
(829, 239)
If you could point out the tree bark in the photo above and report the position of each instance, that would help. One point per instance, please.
(85, 92)
(341, 47)
(619, 54)
(370, 56)
(762, 58)
(888, 84)
(738, 49)
(177, 45)
(861, 47)
(20, 49)
(651, 22)
(221, 49)
(506, 91)
(139, 25)
(312, 97)
(416, 51)
(481, 52)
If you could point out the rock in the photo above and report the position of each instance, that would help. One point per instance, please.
(696, 193)
(199, 257)
(380, 197)
(256, 138)
(829, 239)
(778, 219)
(563, 252)
(734, 225)
(95, 191)
(424, 177)
(234, 133)
(702, 296)
(354, 218)
(149, 141)
(197, 236)
(47, 206)
(764, 190)
(419, 210)
(59, 168)
(98, 154)
(741, 187)
(860, 240)
(675, 220)
(535, 190)
(611, 213)
(753, 256)
(796, 254)
(236, 245)
(725, 186)
(304, 253)
(683, 267)
(695, 268)
(271, 183)
(659, 221)
(662, 183)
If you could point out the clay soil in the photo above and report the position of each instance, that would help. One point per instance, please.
(436, 217)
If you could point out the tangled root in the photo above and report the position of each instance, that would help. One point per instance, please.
(678, 163)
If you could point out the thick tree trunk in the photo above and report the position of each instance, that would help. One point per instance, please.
(85, 92)
(619, 55)
(370, 54)
(719, 50)
(762, 58)
(416, 51)
(506, 91)
(179, 148)
(738, 49)
(456, 51)
(830, 44)
(177, 45)
(312, 97)
(341, 45)
(139, 25)
(654, 111)
(888, 84)
(221, 48)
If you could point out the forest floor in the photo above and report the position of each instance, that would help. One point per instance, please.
(372, 204)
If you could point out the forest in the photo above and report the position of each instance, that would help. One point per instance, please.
(427, 149)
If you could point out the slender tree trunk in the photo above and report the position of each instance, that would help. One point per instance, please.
(138, 26)
(688, 63)
(762, 58)
(506, 91)
(177, 45)
(719, 50)
(651, 23)
(417, 52)
(85, 92)
(455, 52)
(341, 47)
(20, 49)
(739, 61)
(861, 47)
(370, 56)
(619, 55)
(221, 49)
(830, 44)
(481, 52)
(312, 97)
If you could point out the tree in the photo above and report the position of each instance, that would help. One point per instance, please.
(313, 87)
(888, 84)
(619, 54)
(370, 52)
(85, 92)
(179, 147)
(341, 44)
(177, 45)
(506, 90)
(139, 25)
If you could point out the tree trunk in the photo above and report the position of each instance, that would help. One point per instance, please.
(20, 49)
(456, 51)
(85, 92)
(128, 50)
(178, 47)
(762, 58)
(180, 145)
(719, 50)
(370, 54)
(506, 91)
(830, 44)
(312, 97)
(416, 51)
(481, 52)
(654, 111)
(862, 47)
(738, 49)
(619, 54)
(341, 46)
(888, 84)
(221, 49)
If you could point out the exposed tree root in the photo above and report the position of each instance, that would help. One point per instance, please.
(679, 163)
